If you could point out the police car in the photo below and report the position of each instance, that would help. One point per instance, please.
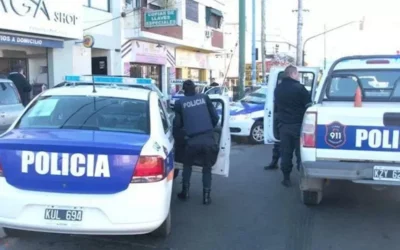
(247, 116)
(177, 91)
(352, 130)
(92, 159)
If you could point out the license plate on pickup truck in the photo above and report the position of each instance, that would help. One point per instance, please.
(386, 173)
(63, 215)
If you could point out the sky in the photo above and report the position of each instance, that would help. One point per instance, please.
(380, 33)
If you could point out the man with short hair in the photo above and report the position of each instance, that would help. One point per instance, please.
(197, 116)
(291, 100)
(24, 88)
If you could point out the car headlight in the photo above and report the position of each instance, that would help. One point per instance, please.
(240, 117)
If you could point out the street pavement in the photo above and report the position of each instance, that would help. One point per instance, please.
(251, 210)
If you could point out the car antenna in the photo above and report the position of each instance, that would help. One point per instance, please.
(94, 86)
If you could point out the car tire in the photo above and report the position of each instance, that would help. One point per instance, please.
(165, 229)
(311, 198)
(257, 133)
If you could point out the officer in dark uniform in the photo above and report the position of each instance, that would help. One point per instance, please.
(196, 114)
(291, 100)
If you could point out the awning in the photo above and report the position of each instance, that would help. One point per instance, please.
(216, 12)
(213, 11)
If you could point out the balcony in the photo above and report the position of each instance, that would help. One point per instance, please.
(169, 28)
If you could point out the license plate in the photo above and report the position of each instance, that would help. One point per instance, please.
(63, 215)
(386, 173)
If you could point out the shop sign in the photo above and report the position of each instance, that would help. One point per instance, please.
(46, 17)
(143, 52)
(190, 59)
(161, 18)
(30, 41)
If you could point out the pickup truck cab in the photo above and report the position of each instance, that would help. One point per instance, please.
(352, 130)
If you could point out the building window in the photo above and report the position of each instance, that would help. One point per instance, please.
(98, 4)
(192, 10)
(214, 18)
(139, 70)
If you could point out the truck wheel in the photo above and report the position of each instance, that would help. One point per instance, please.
(165, 229)
(311, 198)
(257, 133)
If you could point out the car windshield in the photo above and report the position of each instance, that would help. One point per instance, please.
(8, 94)
(199, 89)
(87, 112)
(258, 96)
(375, 84)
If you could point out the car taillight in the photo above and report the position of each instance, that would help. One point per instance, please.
(149, 169)
(1, 170)
(308, 131)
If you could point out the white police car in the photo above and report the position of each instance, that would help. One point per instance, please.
(352, 131)
(247, 116)
(92, 159)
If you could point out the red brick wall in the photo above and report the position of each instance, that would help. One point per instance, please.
(217, 39)
(175, 31)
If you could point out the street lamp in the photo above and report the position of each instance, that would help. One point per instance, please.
(361, 22)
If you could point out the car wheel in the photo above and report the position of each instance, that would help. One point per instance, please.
(165, 229)
(311, 198)
(257, 133)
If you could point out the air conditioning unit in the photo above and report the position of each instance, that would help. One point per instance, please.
(208, 33)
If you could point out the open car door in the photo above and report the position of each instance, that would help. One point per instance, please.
(308, 77)
(222, 137)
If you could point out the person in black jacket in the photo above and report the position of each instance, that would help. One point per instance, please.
(291, 99)
(22, 85)
(197, 116)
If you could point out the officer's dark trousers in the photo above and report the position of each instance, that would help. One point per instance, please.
(290, 142)
(276, 151)
(200, 147)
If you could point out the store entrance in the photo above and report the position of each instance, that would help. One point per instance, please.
(7, 65)
(147, 71)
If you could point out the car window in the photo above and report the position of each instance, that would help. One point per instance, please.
(87, 112)
(258, 96)
(164, 117)
(8, 94)
(214, 91)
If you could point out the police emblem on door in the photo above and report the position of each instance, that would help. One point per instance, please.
(335, 135)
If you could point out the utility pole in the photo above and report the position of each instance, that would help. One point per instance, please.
(253, 44)
(324, 46)
(263, 50)
(242, 46)
(299, 52)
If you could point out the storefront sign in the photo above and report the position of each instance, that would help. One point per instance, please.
(143, 52)
(47, 17)
(161, 18)
(30, 41)
(88, 41)
(190, 59)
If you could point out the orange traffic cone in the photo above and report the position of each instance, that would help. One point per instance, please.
(358, 98)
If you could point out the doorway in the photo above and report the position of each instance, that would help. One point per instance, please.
(99, 65)
(7, 64)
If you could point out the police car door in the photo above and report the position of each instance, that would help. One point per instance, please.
(308, 77)
(222, 137)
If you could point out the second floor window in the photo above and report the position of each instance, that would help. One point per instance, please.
(192, 10)
(214, 18)
(103, 5)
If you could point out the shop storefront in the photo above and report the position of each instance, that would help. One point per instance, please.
(192, 65)
(35, 34)
(147, 60)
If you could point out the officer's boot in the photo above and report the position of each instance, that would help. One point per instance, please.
(206, 196)
(184, 194)
(273, 164)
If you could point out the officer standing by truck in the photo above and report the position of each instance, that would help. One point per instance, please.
(291, 100)
(196, 114)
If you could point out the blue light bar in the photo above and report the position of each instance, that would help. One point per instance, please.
(108, 80)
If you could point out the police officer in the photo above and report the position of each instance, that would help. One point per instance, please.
(291, 100)
(24, 88)
(196, 114)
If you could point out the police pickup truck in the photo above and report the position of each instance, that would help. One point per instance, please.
(94, 157)
(352, 130)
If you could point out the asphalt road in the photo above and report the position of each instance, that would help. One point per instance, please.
(251, 210)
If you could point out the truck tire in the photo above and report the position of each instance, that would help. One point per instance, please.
(165, 229)
(311, 198)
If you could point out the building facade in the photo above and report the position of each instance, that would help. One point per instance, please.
(172, 39)
(47, 38)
